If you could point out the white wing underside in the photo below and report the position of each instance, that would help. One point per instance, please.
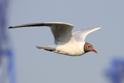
(81, 35)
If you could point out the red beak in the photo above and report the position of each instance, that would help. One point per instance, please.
(94, 50)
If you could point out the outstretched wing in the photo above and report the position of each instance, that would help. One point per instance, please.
(81, 35)
(62, 32)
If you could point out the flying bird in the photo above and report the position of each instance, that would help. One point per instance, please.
(66, 42)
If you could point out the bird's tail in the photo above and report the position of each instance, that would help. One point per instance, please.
(46, 48)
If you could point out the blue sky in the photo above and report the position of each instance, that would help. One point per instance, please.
(33, 65)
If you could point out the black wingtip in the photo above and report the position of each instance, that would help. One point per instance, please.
(10, 27)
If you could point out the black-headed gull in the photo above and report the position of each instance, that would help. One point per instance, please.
(66, 41)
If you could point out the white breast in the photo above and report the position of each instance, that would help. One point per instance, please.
(71, 48)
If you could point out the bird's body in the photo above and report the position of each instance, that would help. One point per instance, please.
(66, 41)
(72, 48)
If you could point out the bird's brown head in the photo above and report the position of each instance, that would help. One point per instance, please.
(89, 48)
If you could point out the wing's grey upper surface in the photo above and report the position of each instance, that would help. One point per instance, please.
(62, 31)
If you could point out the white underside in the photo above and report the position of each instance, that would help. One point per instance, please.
(71, 48)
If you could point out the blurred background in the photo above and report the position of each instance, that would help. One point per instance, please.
(32, 65)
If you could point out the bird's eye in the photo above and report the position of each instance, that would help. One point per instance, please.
(89, 46)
